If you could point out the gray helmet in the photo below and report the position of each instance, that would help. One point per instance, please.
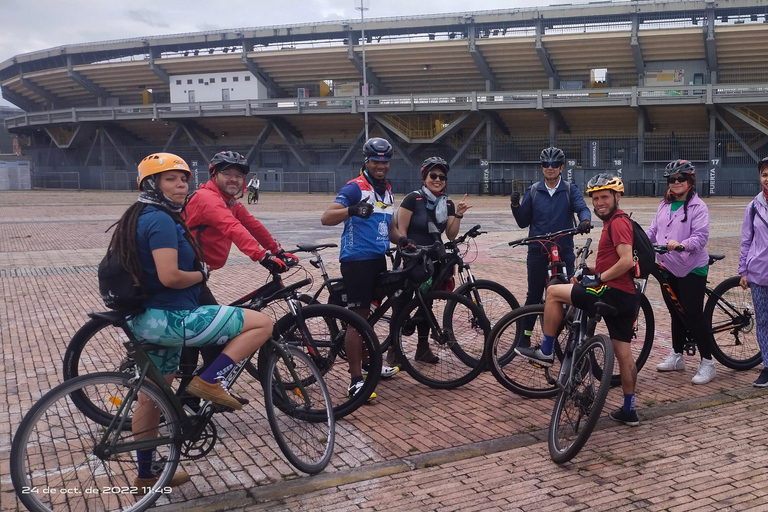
(552, 154)
(684, 167)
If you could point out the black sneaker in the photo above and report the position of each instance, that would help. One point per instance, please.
(628, 418)
(762, 379)
(536, 355)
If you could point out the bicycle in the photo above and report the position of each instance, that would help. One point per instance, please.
(253, 195)
(318, 328)
(458, 341)
(518, 374)
(86, 455)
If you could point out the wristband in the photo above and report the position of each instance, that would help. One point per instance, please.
(458, 216)
(598, 278)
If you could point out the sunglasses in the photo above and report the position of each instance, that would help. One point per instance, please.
(553, 165)
(435, 176)
(679, 179)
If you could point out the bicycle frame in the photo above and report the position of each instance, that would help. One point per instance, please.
(556, 271)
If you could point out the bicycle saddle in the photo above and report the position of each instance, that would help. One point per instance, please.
(116, 317)
(605, 309)
(715, 257)
(313, 247)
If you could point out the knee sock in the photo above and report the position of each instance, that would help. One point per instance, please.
(144, 459)
(355, 380)
(629, 402)
(547, 344)
(219, 367)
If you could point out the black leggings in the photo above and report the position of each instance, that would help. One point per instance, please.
(690, 292)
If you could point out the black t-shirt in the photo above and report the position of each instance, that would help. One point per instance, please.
(418, 230)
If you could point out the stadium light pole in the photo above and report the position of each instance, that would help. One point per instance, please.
(362, 8)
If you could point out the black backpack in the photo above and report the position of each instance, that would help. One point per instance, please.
(642, 249)
(116, 286)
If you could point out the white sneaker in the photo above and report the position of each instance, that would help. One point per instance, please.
(705, 372)
(673, 362)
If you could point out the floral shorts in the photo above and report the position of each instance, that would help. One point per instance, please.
(205, 325)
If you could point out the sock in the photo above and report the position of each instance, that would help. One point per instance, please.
(219, 366)
(547, 344)
(629, 402)
(527, 333)
(144, 459)
(355, 380)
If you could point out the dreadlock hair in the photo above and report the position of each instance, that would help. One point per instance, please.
(124, 241)
(668, 198)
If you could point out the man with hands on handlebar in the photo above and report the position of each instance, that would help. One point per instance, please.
(365, 206)
(612, 284)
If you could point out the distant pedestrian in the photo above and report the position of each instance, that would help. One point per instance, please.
(753, 264)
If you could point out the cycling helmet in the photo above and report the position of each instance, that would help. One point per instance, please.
(552, 154)
(604, 181)
(762, 163)
(161, 162)
(431, 162)
(226, 159)
(377, 149)
(679, 167)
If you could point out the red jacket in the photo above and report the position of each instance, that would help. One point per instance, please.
(218, 219)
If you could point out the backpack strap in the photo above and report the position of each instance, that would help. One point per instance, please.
(755, 212)
(611, 225)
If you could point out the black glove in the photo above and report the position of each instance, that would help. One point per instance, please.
(404, 242)
(273, 263)
(584, 227)
(363, 209)
(203, 269)
(514, 199)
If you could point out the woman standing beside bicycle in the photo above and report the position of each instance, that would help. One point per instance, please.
(154, 245)
(682, 224)
(423, 216)
(753, 264)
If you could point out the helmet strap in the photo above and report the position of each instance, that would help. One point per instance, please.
(151, 194)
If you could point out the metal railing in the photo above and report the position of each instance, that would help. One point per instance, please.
(65, 180)
(448, 102)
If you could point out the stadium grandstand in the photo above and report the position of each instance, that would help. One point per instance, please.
(621, 86)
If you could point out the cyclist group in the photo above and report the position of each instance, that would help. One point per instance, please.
(169, 242)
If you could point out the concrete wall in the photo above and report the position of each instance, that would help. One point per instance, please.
(241, 85)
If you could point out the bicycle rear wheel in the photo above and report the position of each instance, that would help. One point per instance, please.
(580, 403)
(518, 374)
(458, 343)
(643, 330)
(731, 317)
(56, 447)
(494, 299)
(323, 329)
(294, 395)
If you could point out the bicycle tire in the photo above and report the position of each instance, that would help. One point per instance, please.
(459, 344)
(55, 430)
(570, 427)
(643, 330)
(495, 299)
(730, 317)
(327, 325)
(94, 348)
(515, 373)
(292, 407)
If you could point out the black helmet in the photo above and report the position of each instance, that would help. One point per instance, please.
(377, 149)
(679, 167)
(225, 159)
(552, 154)
(762, 163)
(432, 162)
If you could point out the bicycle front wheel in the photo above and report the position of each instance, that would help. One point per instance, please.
(493, 298)
(57, 447)
(294, 395)
(321, 334)
(518, 374)
(731, 317)
(580, 402)
(458, 343)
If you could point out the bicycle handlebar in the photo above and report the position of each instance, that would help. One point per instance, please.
(543, 238)
(662, 249)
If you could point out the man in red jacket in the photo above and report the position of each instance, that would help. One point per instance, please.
(218, 219)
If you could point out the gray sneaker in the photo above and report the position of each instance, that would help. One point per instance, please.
(536, 355)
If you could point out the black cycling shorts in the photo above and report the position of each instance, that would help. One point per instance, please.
(359, 279)
(619, 325)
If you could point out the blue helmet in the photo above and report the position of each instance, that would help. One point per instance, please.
(377, 149)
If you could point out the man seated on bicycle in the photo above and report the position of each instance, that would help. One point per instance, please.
(613, 284)
(548, 206)
(365, 207)
(253, 188)
(218, 219)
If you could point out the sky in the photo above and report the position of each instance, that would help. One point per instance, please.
(30, 25)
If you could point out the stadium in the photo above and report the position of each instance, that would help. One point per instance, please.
(620, 86)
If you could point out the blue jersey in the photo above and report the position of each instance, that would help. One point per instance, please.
(157, 230)
(365, 239)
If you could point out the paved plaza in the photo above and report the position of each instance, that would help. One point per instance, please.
(479, 447)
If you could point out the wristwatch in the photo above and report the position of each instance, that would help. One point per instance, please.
(458, 216)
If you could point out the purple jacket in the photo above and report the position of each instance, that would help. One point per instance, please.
(693, 233)
(753, 260)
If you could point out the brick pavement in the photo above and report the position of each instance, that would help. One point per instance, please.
(50, 242)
